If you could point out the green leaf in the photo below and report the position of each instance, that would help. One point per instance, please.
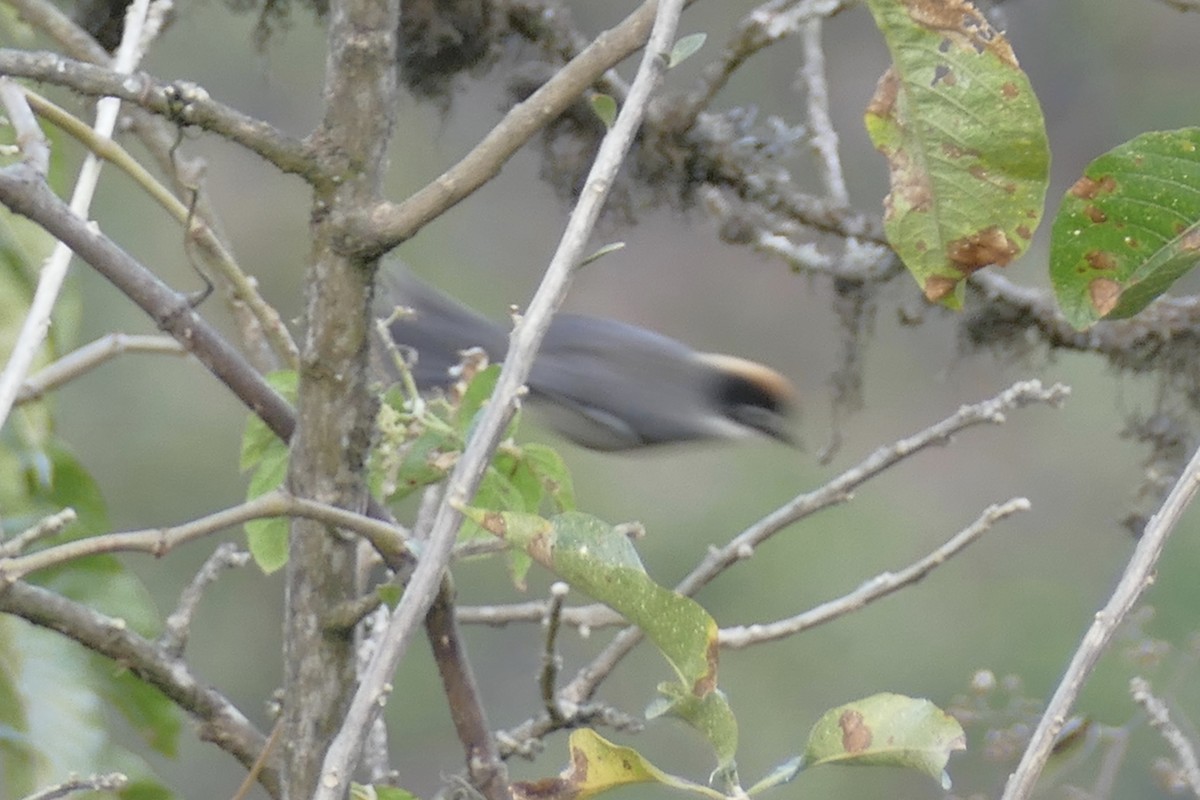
(145, 789)
(965, 141)
(477, 393)
(496, 493)
(257, 438)
(710, 715)
(267, 539)
(605, 108)
(685, 48)
(548, 467)
(1128, 228)
(890, 730)
(599, 560)
(596, 765)
(155, 718)
(359, 791)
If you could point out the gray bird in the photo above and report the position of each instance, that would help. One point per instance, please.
(603, 384)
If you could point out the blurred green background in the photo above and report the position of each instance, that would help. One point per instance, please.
(162, 437)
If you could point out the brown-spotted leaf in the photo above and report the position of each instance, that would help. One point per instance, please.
(597, 765)
(965, 141)
(599, 560)
(886, 729)
(1128, 228)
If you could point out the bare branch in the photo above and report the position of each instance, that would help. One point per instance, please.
(389, 224)
(766, 25)
(242, 290)
(158, 542)
(343, 751)
(257, 321)
(220, 721)
(174, 637)
(111, 782)
(181, 102)
(484, 764)
(835, 491)
(1160, 720)
(43, 528)
(585, 618)
(551, 662)
(26, 193)
(1136, 577)
(821, 135)
(93, 354)
(879, 586)
(54, 272)
(30, 139)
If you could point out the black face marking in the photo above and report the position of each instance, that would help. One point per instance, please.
(736, 391)
(754, 405)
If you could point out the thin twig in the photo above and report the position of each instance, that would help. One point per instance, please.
(257, 321)
(1136, 577)
(180, 102)
(241, 288)
(596, 616)
(111, 782)
(30, 140)
(422, 588)
(392, 223)
(47, 526)
(221, 722)
(158, 542)
(822, 136)
(175, 634)
(879, 586)
(25, 192)
(835, 491)
(50, 280)
(551, 662)
(589, 617)
(1160, 720)
(93, 354)
(766, 25)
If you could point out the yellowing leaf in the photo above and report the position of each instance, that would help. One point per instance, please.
(597, 765)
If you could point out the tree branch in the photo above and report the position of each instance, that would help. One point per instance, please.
(1137, 576)
(220, 721)
(92, 355)
(112, 782)
(1160, 720)
(880, 586)
(160, 541)
(388, 224)
(835, 491)
(182, 103)
(26, 193)
(526, 338)
(258, 323)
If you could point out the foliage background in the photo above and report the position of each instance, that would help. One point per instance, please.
(1015, 603)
